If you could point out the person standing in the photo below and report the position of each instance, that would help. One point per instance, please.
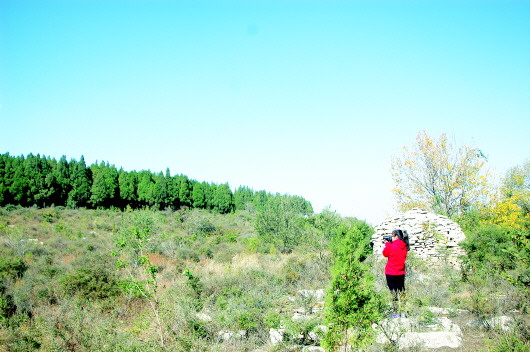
(396, 250)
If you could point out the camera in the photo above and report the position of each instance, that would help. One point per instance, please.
(387, 238)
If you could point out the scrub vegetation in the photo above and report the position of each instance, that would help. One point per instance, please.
(176, 277)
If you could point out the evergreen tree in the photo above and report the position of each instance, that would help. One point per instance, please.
(80, 179)
(42, 167)
(105, 186)
(173, 186)
(279, 225)
(199, 195)
(299, 205)
(243, 196)
(260, 199)
(184, 191)
(160, 191)
(128, 184)
(58, 181)
(210, 190)
(223, 199)
(35, 175)
(7, 171)
(42, 181)
(353, 304)
(19, 184)
(3, 187)
(145, 188)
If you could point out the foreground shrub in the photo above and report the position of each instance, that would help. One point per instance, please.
(353, 304)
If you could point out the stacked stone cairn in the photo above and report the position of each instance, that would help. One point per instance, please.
(434, 238)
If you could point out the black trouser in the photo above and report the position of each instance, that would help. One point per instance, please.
(396, 284)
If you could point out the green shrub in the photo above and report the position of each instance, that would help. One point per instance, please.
(292, 269)
(206, 251)
(91, 283)
(49, 216)
(200, 223)
(11, 207)
(197, 287)
(133, 288)
(494, 250)
(12, 267)
(7, 307)
(352, 301)
(498, 253)
(280, 225)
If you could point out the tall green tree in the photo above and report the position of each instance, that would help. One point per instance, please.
(278, 224)
(299, 205)
(81, 182)
(146, 188)
(19, 185)
(184, 191)
(173, 186)
(261, 198)
(160, 191)
(243, 195)
(352, 303)
(209, 191)
(199, 195)
(128, 184)
(59, 181)
(223, 199)
(36, 169)
(5, 161)
(104, 191)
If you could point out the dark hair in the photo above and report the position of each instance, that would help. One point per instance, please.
(402, 235)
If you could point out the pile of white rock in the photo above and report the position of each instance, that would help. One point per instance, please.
(432, 237)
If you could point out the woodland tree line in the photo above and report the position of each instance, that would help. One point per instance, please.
(44, 181)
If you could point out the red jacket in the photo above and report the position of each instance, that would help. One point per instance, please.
(396, 251)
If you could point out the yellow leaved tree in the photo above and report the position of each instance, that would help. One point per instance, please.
(439, 176)
(510, 206)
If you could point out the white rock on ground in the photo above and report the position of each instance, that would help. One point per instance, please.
(318, 334)
(443, 334)
(230, 335)
(502, 322)
(432, 340)
(318, 295)
(276, 335)
(203, 317)
(313, 349)
(446, 311)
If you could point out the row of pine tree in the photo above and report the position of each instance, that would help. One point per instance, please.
(36, 180)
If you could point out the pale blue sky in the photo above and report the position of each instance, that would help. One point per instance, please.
(311, 98)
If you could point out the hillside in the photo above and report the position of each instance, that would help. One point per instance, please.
(193, 280)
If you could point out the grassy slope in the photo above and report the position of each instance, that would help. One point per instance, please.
(72, 297)
(69, 261)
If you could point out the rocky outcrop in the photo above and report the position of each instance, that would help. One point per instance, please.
(410, 333)
(432, 237)
(312, 311)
